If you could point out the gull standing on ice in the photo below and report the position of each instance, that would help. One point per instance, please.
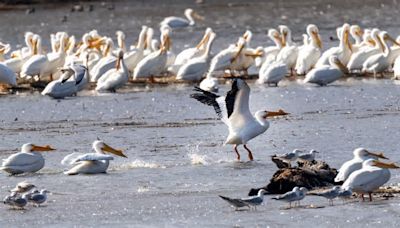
(290, 196)
(246, 202)
(234, 111)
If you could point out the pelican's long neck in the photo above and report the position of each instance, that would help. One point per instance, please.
(39, 46)
(190, 18)
(343, 37)
(386, 49)
(289, 41)
(142, 39)
(208, 47)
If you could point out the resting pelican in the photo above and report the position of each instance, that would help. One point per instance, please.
(18, 58)
(396, 69)
(378, 63)
(326, 74)
(114, 78)
(357, 33)
(343, 51)
(91, 163)
(357, 59)
(4, 49)
(273, 73)
(246, 57)
(7, 76)
(179, 22)
(192, 52)
(309, 54)
(270, 53)
(288, 54)
(29, 160)
(370, 177)
(195, 68)
(133, 56)
(233, 109)
(360, 155)
(154, 63)
(104, 64)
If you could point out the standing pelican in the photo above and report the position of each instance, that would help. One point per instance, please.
(29, 160)
(360, 155)
(106, 63)
(309, 54)
(370, 177)
(270, 53)
(343, 51)
(179, 22)
(288, 54)
(19, 57)
(234, 111)
(195, 68)
(114, 78)
(326, 74)
(91, 163)
(133, 56)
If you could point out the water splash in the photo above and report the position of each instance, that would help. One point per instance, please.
(198, 159)
(139, 164)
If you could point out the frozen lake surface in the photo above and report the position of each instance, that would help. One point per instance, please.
(177, 165)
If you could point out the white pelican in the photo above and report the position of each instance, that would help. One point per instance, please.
(288, 53)
(91, 163)
(343, 51)
(357, 59)
(195, 68)
(4, 49)
(357, 33)
(179, 22)
(326, 74)
(43, 65)
(192, 52)
(270, 53)
(114, 78)
(369, 178)
(154, 63)
(233, 109)
(396, 69)
(18, 58)
(273, 73)
(121, 40)
(309, 54)
(360, 155)
(379, 63)
(246, 57)
(104, 64)
(29, 160)
(7, 76)
(209, 83)
(133, 56)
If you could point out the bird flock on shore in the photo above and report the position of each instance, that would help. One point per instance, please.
(72, 65)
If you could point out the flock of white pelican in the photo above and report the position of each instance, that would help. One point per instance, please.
(109, 66)
(72, 65)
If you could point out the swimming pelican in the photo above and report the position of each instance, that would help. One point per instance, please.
(91, 163)
(179, 22)
(233, 109)
(195, 68)
(379, 63)
(29, 160)
(288, 53)
(360, 155)
(309, 55)
(114, 78)
(370, 177)
(342, 52)
(357, 59)
(273, 73)
(7, 76)
(154, 63)
(326, 74)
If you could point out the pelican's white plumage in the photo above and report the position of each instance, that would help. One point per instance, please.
(288, 53)
(326, 74)
(195, 68)
(7, 76)
(310, 53)
(114, 78)
(106, 63)
(360, 155)
(179, 22)
(19, 57)
(133, 56)
(370, 177)
(29, 160)
(270, 53)
(210, 84)
(273, 73)
(91, 163)
(233, 109)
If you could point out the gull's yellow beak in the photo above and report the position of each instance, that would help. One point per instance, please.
(109, 149)
(385, 165)
(378, 155)
(280, 112)
(42, 148)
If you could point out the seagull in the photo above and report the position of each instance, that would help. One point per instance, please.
(233, 109)
(246, 202)
(302, 194)
(38, 198)
(330, 194)
(345, 194)
(290, 196)
(308, 157)
(15, 201)
(360, 155)
(23, 187)
(289, 157)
